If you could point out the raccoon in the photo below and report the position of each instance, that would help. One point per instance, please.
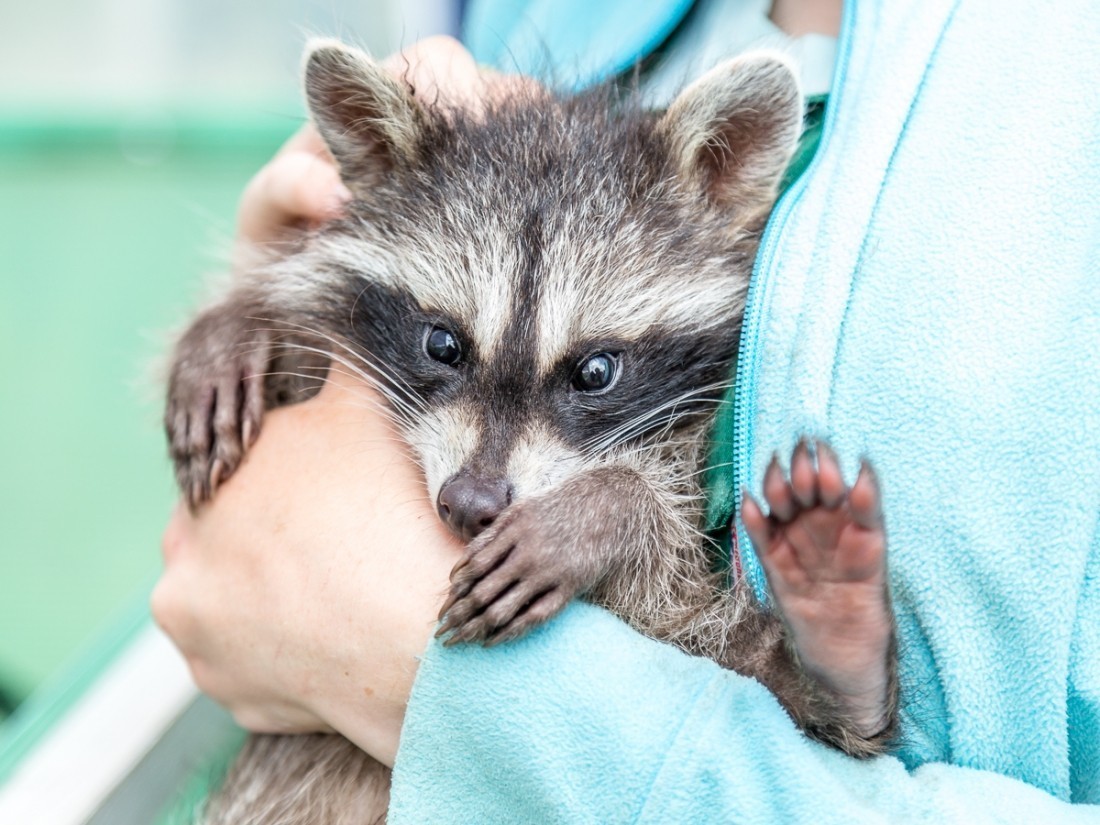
(548, 295)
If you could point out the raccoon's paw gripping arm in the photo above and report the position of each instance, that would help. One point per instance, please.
(540, 553)
(215, 399)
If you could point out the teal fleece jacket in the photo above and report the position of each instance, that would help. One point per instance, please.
(928, 296)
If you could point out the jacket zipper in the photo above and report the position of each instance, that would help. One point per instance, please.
(748, 358)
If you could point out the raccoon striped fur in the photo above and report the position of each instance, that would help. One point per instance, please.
(548, 294)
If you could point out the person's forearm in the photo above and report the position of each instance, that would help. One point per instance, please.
(588, 721)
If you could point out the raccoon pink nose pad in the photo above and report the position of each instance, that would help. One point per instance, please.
(468, 504)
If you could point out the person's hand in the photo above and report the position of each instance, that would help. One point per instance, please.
(304, 593)
(301, 184)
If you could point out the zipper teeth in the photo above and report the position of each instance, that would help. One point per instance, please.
(748, 360)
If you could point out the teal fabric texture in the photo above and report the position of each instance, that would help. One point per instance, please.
(928, 297)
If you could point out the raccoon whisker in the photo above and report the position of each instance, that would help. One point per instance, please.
(288, 374)
(369, 403)
(363, 443)
(643, 420)
(709, 468)
(314, 377)
(284, 324)
(397, 392)
(653, 436)
(392, 439)
(399, 384)
(654, 443)
(374, 364)
(646, 422)
(691, 398)
(399, 405)
(396, 395)
(357, 353)
(656, 450)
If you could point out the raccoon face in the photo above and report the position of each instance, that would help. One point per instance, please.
(557, 285)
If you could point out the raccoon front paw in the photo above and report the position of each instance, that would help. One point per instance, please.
(823, 548)
(516, 575)
(215, 406)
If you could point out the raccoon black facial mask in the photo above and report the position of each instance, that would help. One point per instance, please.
(548, 294)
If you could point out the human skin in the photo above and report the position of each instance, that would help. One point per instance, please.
(303, 594)
(798, 17)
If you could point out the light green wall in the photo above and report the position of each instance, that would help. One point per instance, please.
(98, 257)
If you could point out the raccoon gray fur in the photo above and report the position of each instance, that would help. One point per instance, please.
(548, 294)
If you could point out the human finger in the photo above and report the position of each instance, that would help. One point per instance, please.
(296, 187)
(440, 72)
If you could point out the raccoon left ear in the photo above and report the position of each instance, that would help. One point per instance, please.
(733, 131)
(367, 117)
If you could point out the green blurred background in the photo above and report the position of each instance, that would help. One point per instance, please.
(128, 129)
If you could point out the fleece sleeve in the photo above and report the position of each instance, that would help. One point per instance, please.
(585, 720)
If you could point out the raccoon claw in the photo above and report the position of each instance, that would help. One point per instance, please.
(819, 531)
(214, 416)
(523, 606)
(538, 610)
(823, 548)
(510, 580)
(210, 449)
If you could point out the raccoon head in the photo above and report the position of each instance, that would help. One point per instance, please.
(553, 284)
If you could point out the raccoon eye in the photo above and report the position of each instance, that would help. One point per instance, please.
(441, 345)
(597, 373)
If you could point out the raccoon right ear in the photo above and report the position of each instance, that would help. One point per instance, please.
(733, 130)
(367, 117)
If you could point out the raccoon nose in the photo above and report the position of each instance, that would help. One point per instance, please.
(468, 504)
